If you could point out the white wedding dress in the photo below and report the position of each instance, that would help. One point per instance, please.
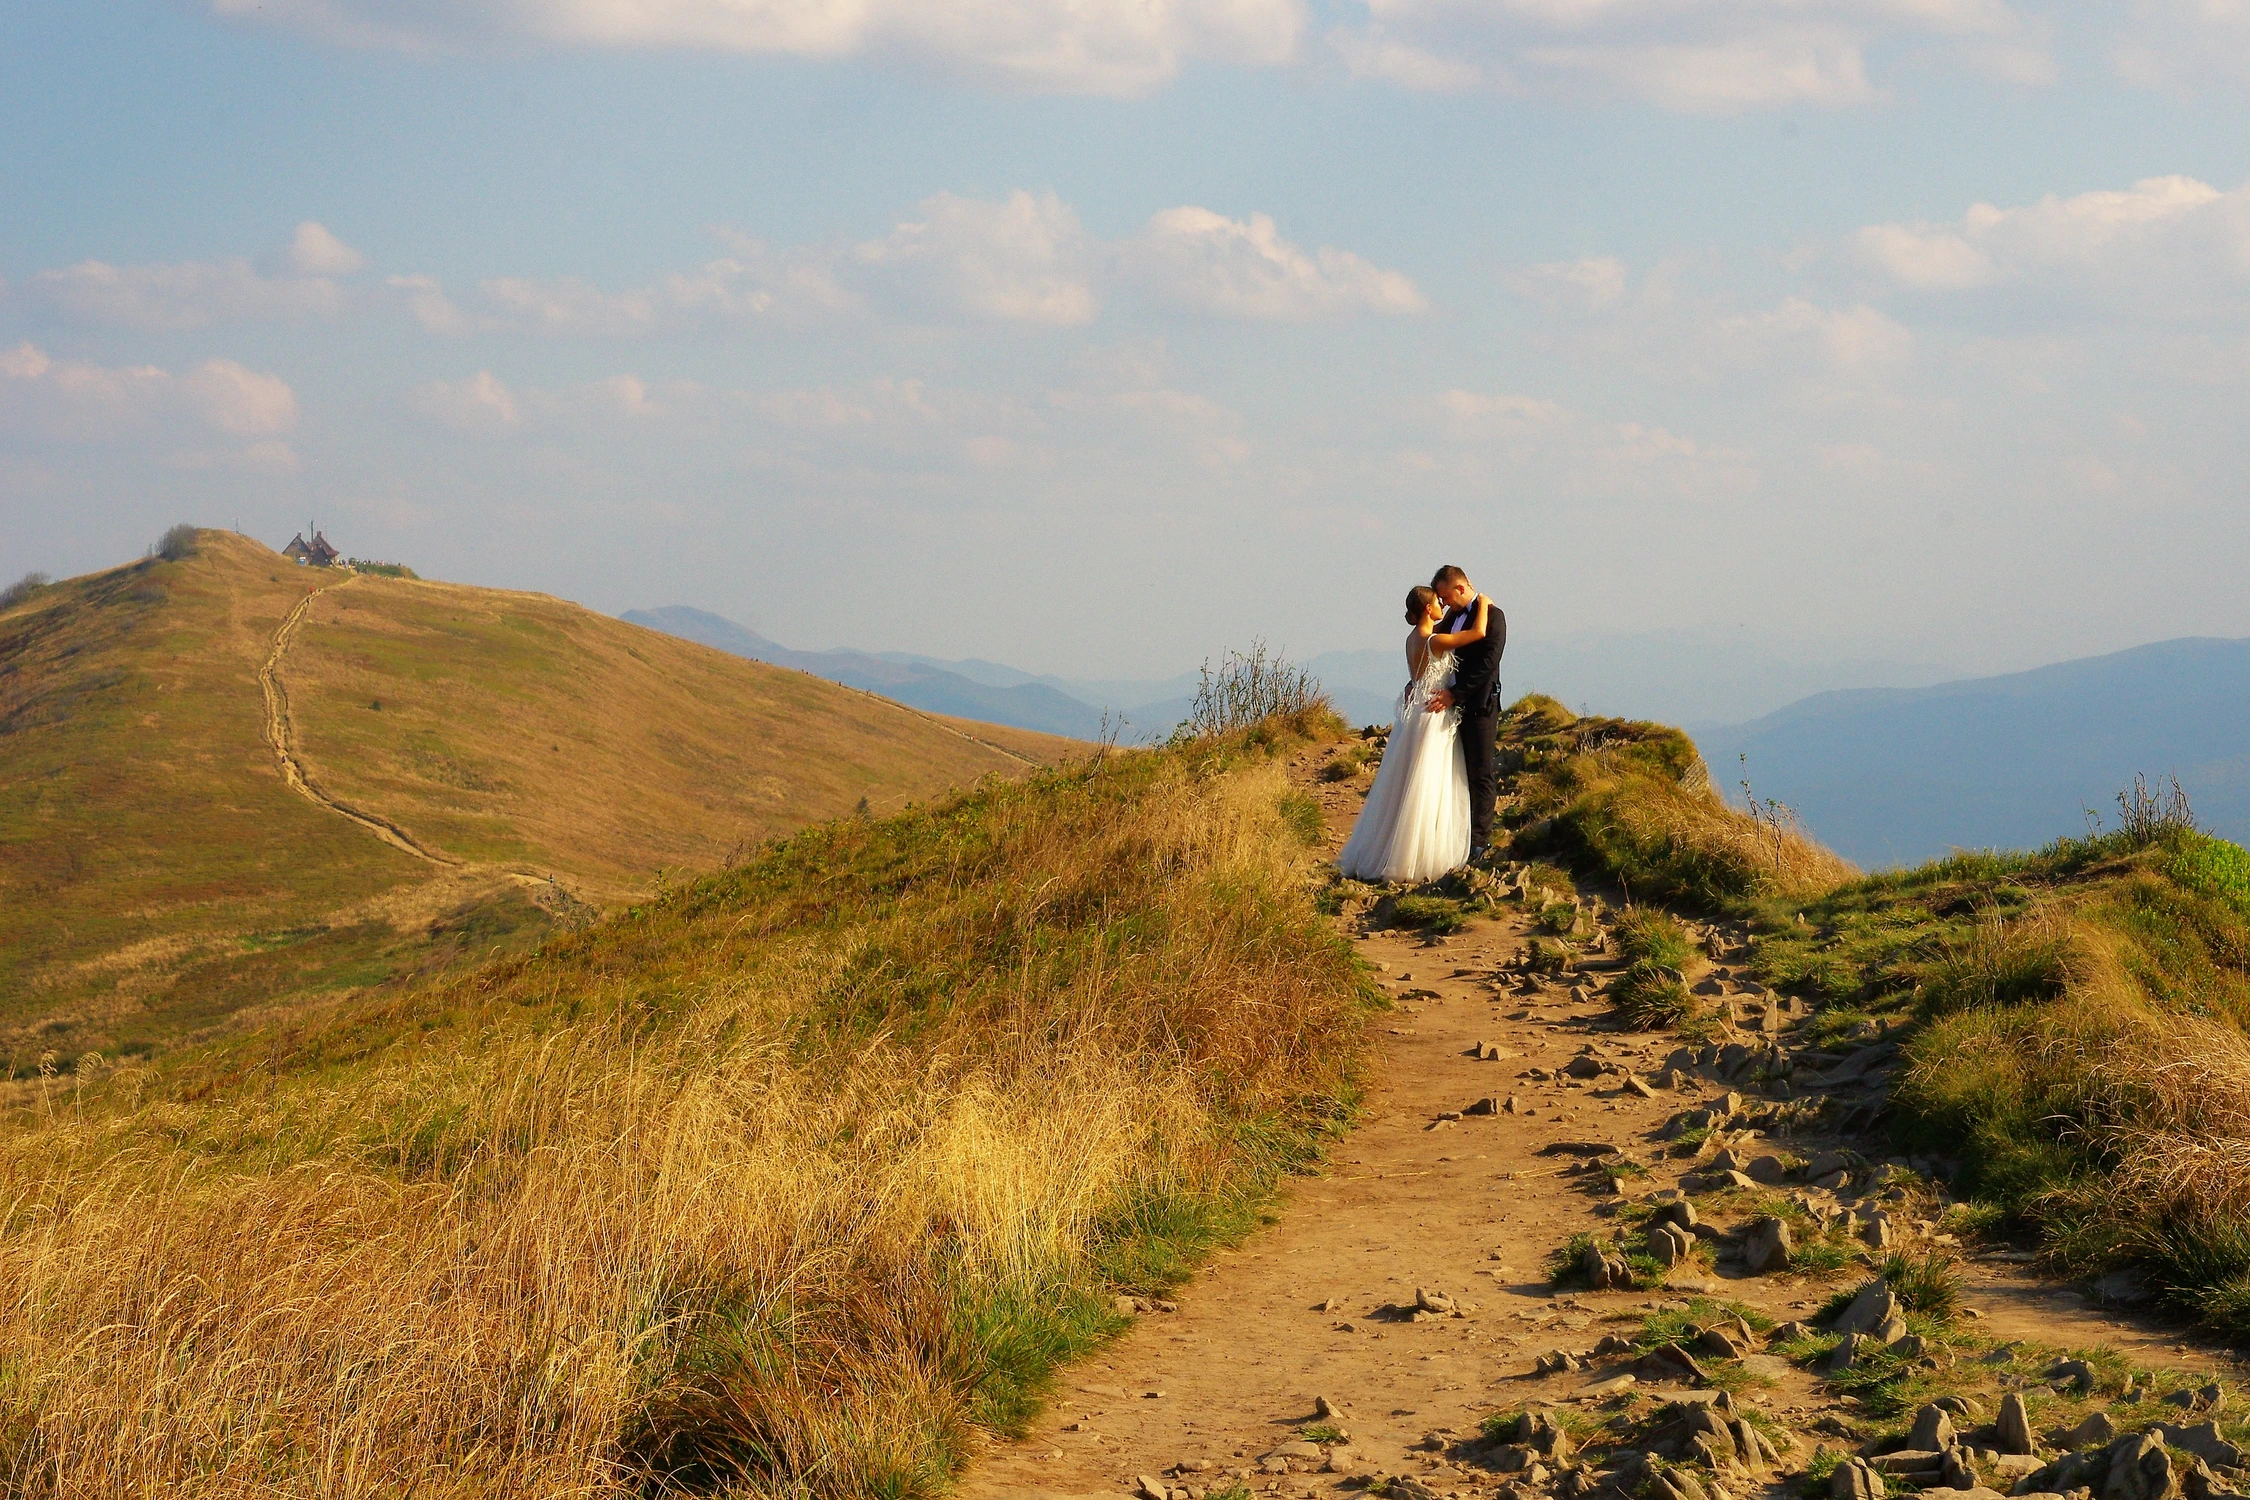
(1415, 825)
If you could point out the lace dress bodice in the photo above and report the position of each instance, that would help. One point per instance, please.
(1436, 669)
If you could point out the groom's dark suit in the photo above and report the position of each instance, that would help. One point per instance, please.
(1476, 691)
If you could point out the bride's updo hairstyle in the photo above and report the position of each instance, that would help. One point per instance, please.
(1418, 602)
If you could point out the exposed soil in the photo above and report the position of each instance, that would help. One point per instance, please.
(1471, 1208)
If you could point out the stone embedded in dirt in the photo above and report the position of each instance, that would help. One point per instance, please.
(1149, 1487)
(1714, 1182)
(1767, 1246)
(1584, 1066)
(1670, 1362)
(1323, 1407)
(2012, 1428)
(1915, 1461)
(1614, 1385)
(1485, 1106)
(1670, 1244)
(1933, 1429)
(1891, 1334)
(1299, 1449)
(1878, 1231)
(1846, 1353)
(2139, 1469)
(1556, 1362)
(1770, 1170)
(1854, 1480)
(1510, 1105)
(1636, 1085)
(1407, 1487)
(1679, 1211)
(1430, 1301)
(2075, 1372)
(1539, 1432)
(1832, 1182)
(1875, 1304)
(1720, 1343)
(2097, 1428)
(1825, 1162)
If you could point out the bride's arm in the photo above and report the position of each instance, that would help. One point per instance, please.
(1474, 633)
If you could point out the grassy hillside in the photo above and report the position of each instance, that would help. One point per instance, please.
(2074, 1021)
(157, 874)
(786, 1180)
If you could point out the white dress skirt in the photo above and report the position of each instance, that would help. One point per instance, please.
(1415, 826)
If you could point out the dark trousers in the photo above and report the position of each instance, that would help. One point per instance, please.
(1480, 747)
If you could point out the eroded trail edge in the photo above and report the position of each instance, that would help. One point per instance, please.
(1390, 1326)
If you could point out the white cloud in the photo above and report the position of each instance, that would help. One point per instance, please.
(1244, 269)
(240, 402)
(1023, 259)
(2162, 236)
(482, 403)
(431, 307)
(1113, 47)
(1713, 57)
(485, 405)
(1559, 450)
(79, 401)
(1851, 340)
(198, 294)
(1592, 283)
(313, 251)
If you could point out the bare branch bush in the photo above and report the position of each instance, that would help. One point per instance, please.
(1248, 688)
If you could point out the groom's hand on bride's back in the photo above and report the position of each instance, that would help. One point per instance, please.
(1441, 700)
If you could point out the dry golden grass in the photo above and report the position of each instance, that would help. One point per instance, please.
(1633, 802)
(160, 877)
(781, 1183)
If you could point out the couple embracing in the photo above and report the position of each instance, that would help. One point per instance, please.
(1430, 809)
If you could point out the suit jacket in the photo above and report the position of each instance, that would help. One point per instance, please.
(1476, 666)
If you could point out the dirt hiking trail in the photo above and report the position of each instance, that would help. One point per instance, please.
(1310, 1323)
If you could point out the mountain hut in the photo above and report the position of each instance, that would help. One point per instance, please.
(317, 553)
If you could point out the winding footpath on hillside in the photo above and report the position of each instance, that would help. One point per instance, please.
(281, 738)
(1402, 1298)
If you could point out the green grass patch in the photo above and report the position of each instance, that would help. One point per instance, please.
(1436, 914)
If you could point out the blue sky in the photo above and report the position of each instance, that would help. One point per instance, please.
(1098, 337)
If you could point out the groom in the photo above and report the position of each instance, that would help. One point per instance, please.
(1476, 688)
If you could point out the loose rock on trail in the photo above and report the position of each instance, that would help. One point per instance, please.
(1401, 1304)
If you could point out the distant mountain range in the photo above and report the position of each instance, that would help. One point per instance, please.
(967, 690)
(1359, 681)
(1889, 777)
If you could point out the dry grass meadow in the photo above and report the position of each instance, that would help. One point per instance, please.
(787, 1180)
(161, 880)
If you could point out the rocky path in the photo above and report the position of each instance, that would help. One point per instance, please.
(1311, 1328)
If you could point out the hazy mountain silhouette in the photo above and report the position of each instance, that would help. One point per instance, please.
(1895, 776)
(919, 682)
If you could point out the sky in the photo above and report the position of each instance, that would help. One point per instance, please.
(1101, 336)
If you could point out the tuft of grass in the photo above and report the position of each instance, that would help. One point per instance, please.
(1321, 1432)
(1439, 914)
(1651, 995)
(1927, 1284)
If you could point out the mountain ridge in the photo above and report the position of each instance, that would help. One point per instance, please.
(1895, 775)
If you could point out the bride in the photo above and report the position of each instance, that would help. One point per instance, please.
(1415, 825)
